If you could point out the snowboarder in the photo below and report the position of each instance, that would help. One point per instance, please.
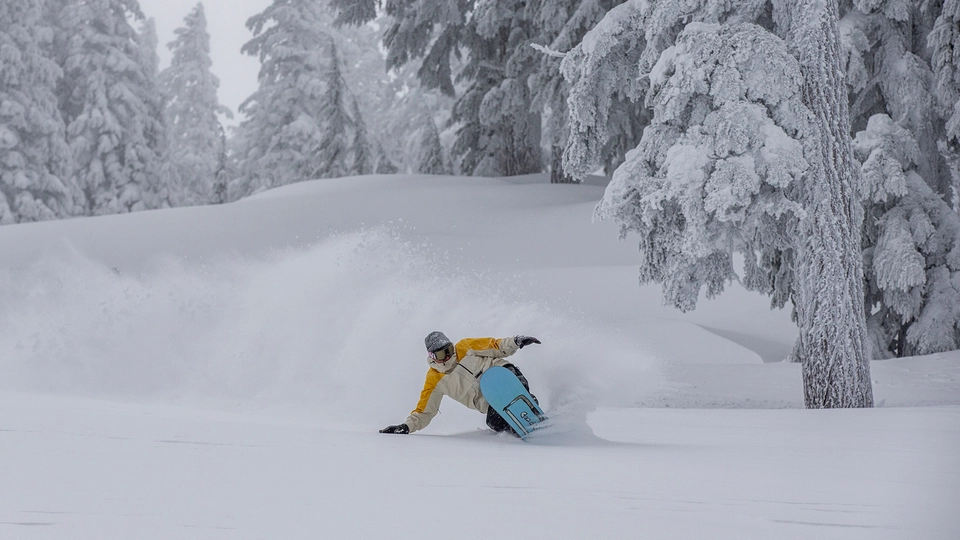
(455, 371)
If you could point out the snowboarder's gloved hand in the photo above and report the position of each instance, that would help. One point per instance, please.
(402, 429)
(523, 341)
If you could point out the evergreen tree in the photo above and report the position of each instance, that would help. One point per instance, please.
(561, 25)
(507, 87)
(164, 184)
(717, 168)
(911, 242)
(147, 41)
(360, 145)
(111, 127)
(888, 66)
(901, 95)
(223, 172)
(297, 126)
(748, 150)
(384, 165)
(430, 151)
(944, 40)
(34, 157)
(334, 150)
(399, 137)
(393, 97)
(196, 145)
(607, 90)
(498, 132)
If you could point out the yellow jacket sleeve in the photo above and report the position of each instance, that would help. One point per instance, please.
(429, 404)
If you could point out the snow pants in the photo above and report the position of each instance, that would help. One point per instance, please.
(494, 420)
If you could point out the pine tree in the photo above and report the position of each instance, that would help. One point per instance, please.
(393, 97)
(223, 172)
(607, 90)
(398, 136)
(147, 54)
(888, 65)
(507, 87)
(163, 185)
(902, 94)
(334, 149)
(298, 126)
(430, 151)
(384, 165)
(748, 150)
(196, 137)
(34, 157)
(561, 25)
(103, 99)
(360, 145)
(717, 168)
(945, 42)
(498, 131)
(911, 241)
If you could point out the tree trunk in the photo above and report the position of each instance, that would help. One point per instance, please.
(557, 175)
(832, 344)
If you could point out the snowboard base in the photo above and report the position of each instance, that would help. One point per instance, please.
(506, 394)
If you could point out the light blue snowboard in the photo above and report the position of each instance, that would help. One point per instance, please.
(504, 392)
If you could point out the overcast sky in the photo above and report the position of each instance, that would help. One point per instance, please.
(226, 23)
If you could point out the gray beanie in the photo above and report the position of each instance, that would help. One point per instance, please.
(436, 341)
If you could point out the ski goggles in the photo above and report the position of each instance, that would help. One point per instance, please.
(443, 354)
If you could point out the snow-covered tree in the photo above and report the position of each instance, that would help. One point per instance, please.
(561, 25)
(298, 124)
(944, 40)
(105, 101)
(335, 147)
(402, 112)
(165, 184)
(392, 97)
(888, 66)
(715, 170)
(147, 41)
(34, 157)
(223, 173)
(384, 165)
(360, 145)
(498, 133)
(607, 90)
(279, 139)
(911, 251)
(498, 129)
(748, 151)
(196, 137)
(430, 151)
(509, 93)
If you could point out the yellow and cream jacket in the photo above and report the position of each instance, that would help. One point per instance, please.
(460, 379)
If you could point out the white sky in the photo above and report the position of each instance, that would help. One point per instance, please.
(226, 23)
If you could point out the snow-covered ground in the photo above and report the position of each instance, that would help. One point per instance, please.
(221, 372)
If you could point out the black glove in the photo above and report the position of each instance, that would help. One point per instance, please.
(402, 429)
(523, 341)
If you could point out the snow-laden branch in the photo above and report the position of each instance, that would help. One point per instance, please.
(548, 51)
